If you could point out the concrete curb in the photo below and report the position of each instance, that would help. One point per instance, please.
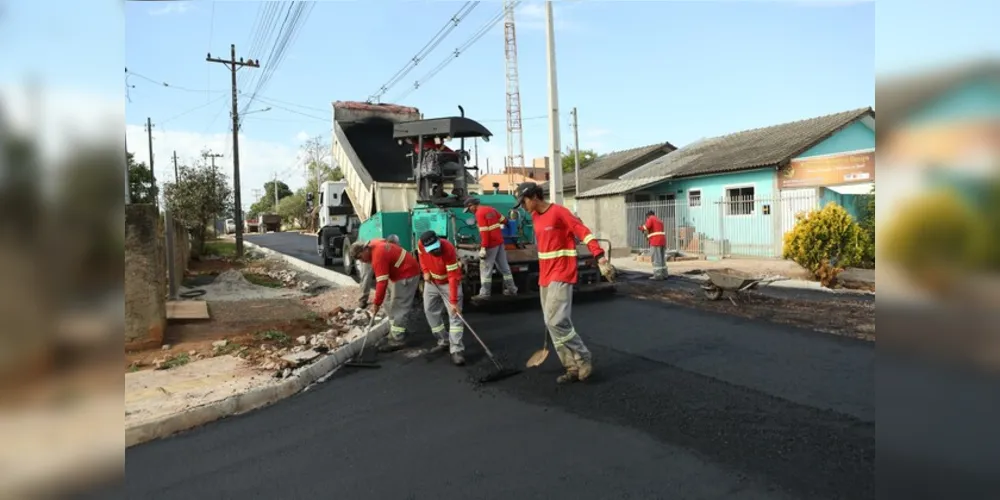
(254, 399)
(301, 265)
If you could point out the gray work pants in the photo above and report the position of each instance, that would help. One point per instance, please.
(557, 305)
(403, 293)
(436, 308)
(659, 255)
(496, 257)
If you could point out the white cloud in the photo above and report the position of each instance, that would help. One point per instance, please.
(302, 136)
(531, 15)
(174, 7)
(259, 160)
(60, 118)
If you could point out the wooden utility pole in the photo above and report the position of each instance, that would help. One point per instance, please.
(576, 159)
(152, 173)
(177, 175)
(213, 156)
(233, 66)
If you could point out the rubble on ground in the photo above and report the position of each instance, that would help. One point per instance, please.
(306, 348)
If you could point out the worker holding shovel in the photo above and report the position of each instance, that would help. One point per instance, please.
(439, 264)
(556, 232)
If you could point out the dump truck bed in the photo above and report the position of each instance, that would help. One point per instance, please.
(378, 171)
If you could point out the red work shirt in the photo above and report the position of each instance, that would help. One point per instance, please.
(442, 269)
(490, 222)
(390, 262)
(555, 230)
(654, 231)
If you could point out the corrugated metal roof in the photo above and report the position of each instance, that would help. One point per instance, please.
(597, 172)
(624, 186)
(750, 149)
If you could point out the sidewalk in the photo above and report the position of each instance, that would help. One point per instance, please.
(796, 277)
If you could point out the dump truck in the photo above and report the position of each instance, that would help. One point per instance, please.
(337, 221)
(270, 223)
(398, 188)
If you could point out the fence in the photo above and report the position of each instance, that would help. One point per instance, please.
(736, 226)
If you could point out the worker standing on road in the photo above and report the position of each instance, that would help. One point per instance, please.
(556, 232)
(653, 227)
(439, 263)
(391, 264)
(491, 252)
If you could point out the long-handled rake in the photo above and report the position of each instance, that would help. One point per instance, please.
(501, 371)
(359, 361)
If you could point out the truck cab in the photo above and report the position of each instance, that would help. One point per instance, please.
(337, 220)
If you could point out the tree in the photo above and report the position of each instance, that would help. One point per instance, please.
(569, 159)
(292, 209)
(196, 198)
(316, 154)
(140, 181)
(266, 202)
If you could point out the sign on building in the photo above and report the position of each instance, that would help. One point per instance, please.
(852, 168)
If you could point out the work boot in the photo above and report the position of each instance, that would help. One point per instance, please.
(457, 358)
(391, 345)
(585, 368)
(485, 293)
(439, 348)
(569, 377)
(510, 291)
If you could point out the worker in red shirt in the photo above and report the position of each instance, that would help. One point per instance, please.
(491, 248)
(439, 264)
(391, 264)
(653, 227)
(556, 232)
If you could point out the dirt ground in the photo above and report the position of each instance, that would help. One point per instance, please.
(251, 329)
(854, 319)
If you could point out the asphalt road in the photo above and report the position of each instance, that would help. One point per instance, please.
(683, 404)
(298, 245)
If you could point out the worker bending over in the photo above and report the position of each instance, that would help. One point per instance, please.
(556, 232)
(368, 278)
(653, 227)
(491, 252)
(439, 263)
(391, 264)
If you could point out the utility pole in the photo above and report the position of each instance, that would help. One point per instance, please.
(233, 66)
(274, 187)
(152, 172)
(215, 190)
(555, 168)
(576, 160)
(177, 175)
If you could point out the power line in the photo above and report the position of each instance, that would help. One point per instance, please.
(452, 23)
(192, 110)
(458, 51)
(165, 84)
(294, 21)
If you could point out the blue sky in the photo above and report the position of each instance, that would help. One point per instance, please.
(639, 72)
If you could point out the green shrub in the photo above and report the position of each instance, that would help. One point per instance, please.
(824, 241)
(937, 231)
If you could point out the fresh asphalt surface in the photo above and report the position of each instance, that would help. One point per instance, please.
(683, 404)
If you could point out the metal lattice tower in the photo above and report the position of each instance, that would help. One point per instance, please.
(515, 139)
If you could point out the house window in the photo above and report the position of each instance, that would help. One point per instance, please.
(740, 201)
(694, 198)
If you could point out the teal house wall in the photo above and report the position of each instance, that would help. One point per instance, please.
(749, 235)
(974, 100)
(854, 137)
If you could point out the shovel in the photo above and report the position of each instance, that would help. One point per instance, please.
(540, 356)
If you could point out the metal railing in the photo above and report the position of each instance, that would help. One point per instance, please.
(734, 226)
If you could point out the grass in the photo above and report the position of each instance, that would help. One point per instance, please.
(176, 361)
(229, 348)
(220, 248)
(275, 336)
(263, 280)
